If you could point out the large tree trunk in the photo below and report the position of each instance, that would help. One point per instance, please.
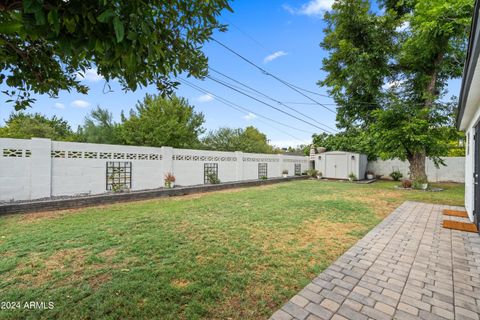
(417, 165)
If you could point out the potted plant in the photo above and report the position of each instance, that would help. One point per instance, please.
(406, 183)
(352, 177)
(319, 175)
(169, 180)
(396, 175)
(421, 183)
(370, 175)
(285, 173)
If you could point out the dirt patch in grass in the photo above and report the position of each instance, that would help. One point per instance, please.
(37, 271)
(382, 202)
(62, 267)
(227, 191)
(108, 254)
(180, 283)
(34, 216)
(98, 280)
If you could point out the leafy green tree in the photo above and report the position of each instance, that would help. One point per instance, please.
(159, 121)
(26, 126)
(416, 46)
(353, 140)
(45, 43)
(99, 127)
(249, 139)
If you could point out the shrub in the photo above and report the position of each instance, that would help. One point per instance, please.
(285, 171)
(352, 176)
(312, 173)
(396, 175)
(263, 177)
(212, 178)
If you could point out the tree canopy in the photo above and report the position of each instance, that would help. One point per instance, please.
(249, 139)
(44, 44)
(99, 127)
(26, 126)
(388, 73)
(354, 140)
(158, 121)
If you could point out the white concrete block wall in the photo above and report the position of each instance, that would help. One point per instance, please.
(188, 165)
(79, 168)
(38, 168)
(15, 161)
(453, 171)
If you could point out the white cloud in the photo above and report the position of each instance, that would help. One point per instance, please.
(59, 105)
(80, 104)
(311, 8)
(205, 98)
(250, 116)
(274, 56)
(90, 75)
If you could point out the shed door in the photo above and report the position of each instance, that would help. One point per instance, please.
(336, 166)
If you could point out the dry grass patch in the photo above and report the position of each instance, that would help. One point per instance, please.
(180, 283)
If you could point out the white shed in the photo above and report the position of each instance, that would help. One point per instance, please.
(340, 164)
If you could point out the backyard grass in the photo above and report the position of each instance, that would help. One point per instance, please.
(236, 254)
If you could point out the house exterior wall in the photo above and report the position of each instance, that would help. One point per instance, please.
(470, 162)
(40, 168)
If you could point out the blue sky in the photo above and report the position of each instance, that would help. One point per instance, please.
(288, 31)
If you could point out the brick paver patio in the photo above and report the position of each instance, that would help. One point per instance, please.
(408, 267)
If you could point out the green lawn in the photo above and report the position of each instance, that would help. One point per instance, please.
(237, 254)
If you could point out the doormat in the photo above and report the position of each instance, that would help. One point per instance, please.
(461, 226)
(455, 213)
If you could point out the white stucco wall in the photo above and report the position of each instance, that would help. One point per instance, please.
(453, 171)
(39, 168)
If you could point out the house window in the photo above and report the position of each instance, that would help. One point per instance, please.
(119, 175)
(262, 170)
(298, 169)
(210, 172)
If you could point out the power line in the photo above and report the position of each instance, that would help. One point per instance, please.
(291, 84)
(268, 97)
(242, 110)
(271, 75)
(258, 43)
(267, 104)
(245, 110)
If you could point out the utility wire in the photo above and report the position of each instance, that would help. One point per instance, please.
(258, 43)
(269, 105)
(298, 87)
(271, 75)
(242, 110)
(245, 110)
(270, 98)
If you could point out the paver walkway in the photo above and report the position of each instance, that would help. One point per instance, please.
(408, 267)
